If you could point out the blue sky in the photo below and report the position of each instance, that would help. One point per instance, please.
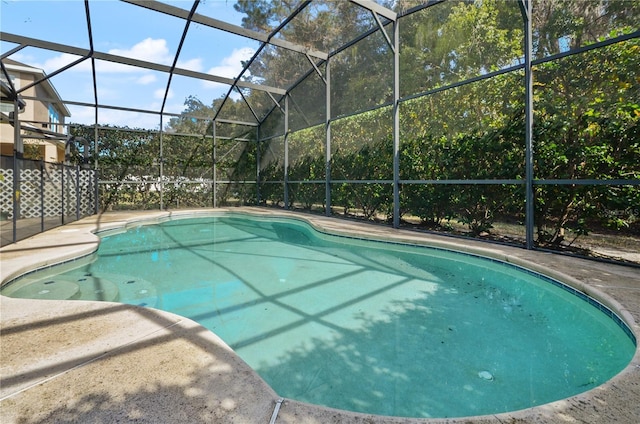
(127, 30)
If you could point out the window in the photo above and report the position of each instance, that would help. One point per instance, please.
(54, 118)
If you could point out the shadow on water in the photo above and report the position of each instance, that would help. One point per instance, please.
(409, 362)
(401, 363)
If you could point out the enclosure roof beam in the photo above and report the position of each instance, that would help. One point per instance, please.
(231, 121)
(63, 48)
(275, 102)
(420, 7)
(300, 111)
(526, 13)
(103, 106)
(376, 8)
(8, 89)
(247, 64)
(315, 67)
(384, 32)
(94, 77)
(175, 59)
(225, 26)
(253, 112)
(13, 50)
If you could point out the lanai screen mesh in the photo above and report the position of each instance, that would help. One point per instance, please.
(330, 113)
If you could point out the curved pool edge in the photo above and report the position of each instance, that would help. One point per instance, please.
(617, 398)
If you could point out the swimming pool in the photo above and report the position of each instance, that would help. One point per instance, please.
(377, 316)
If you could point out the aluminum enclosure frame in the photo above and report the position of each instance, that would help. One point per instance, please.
(281, 96)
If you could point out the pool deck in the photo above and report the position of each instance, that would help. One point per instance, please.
(100, 362)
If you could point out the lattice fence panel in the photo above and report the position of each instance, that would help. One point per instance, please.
(87, 192)
(53, 179)
(30, 195)
(69, 194)
(6, 192)
(61, 191)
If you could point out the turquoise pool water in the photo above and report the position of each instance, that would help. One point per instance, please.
(375, 327)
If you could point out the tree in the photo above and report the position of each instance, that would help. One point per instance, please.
(125, 164)
(586, 127)
(456, 40)
(567, 24)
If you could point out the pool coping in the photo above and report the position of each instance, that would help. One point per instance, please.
(35, 377)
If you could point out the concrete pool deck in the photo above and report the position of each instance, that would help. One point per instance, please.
(101, 362)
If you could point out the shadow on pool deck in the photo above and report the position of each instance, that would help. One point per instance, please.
(28, 227)
(104, 362)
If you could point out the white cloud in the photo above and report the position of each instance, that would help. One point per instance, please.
(191, 64)
(24, 58)
(231, 66)
(149, 50)
(176, 106)
(107, 94)
(159, 94)
(57, 62)
(146, 79)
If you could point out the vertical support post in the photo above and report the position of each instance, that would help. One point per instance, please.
(286, 151)
(96, 190)
(62, 187)
(18, 155)
(77, 192)
(258, 199)
(41, 195)
(161, 163)
(16, 195)
(396, 124)
(96, 172)
(327, 125)
(214, 188)
(526, 9)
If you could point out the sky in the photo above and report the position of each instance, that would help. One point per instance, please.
(126, 30)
